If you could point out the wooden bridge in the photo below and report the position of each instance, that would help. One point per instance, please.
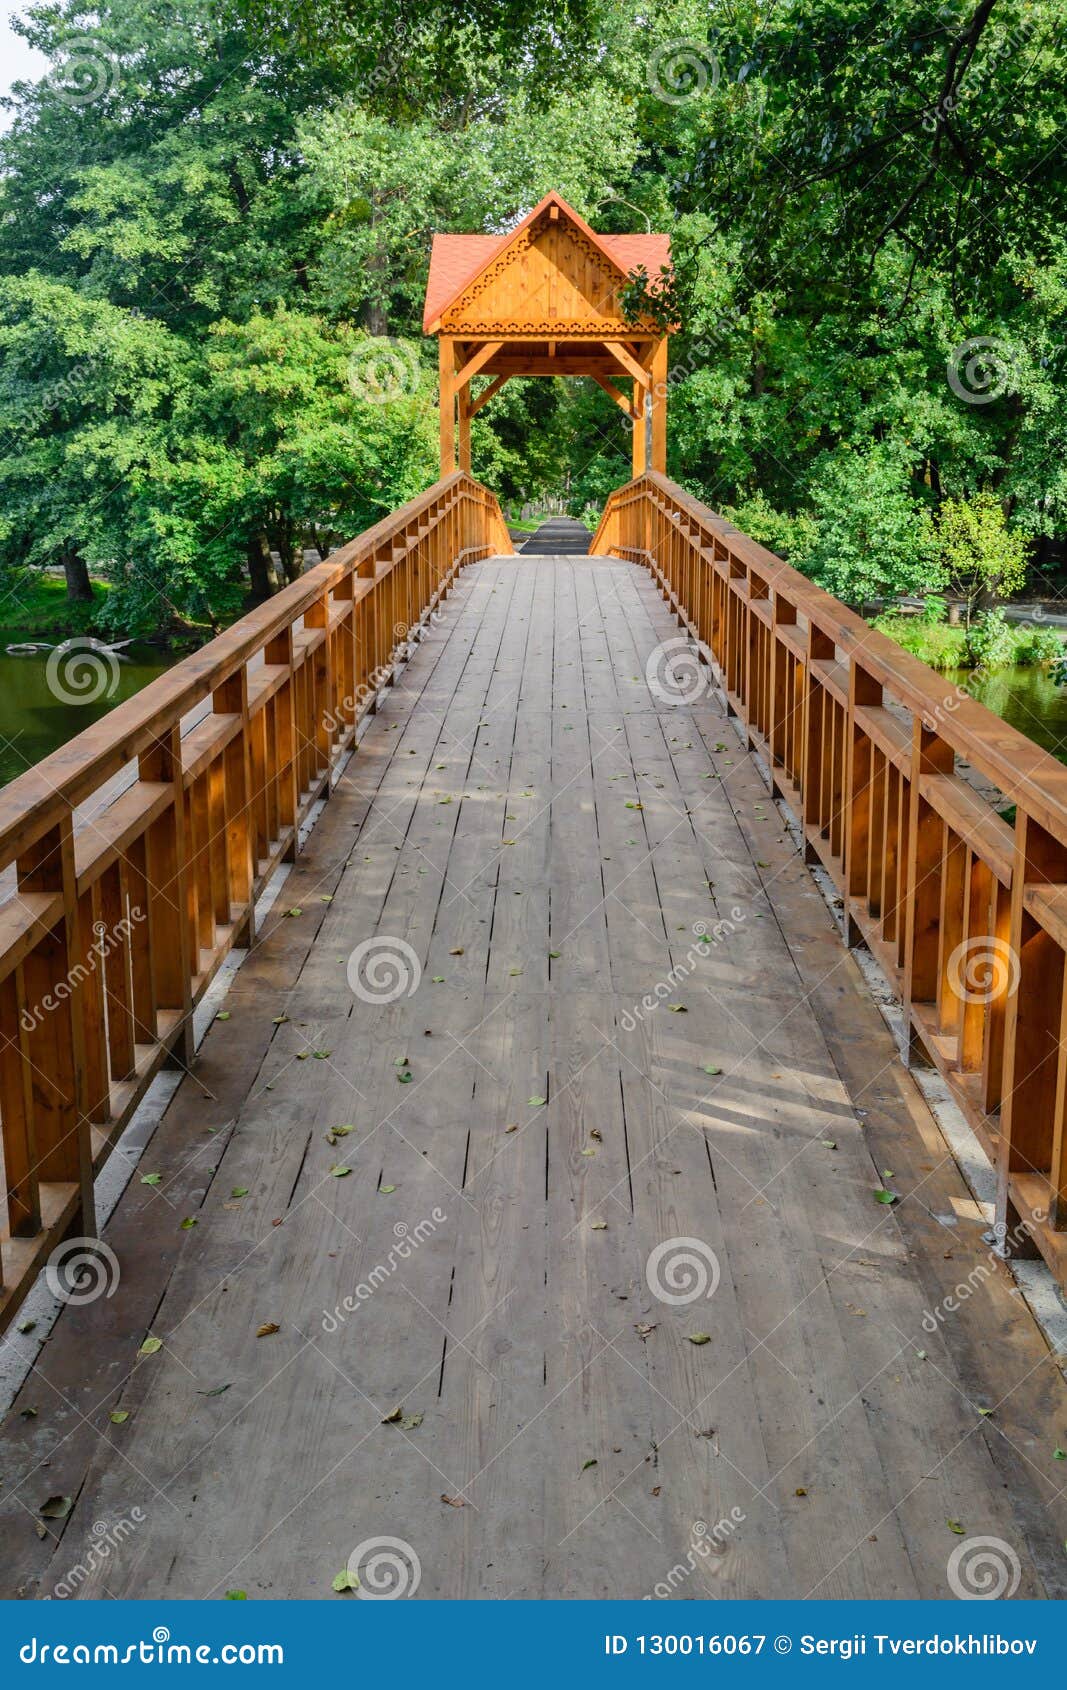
(547, 1210)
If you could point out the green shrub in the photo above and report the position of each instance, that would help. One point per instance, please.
(1040, 646)
(992, 641)
(935, 643)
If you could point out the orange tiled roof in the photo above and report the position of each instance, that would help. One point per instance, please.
(455, 260)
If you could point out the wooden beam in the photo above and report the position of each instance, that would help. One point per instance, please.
(640, 451)
(465, 428)
(613, 393)
(484, 398)
(658, 459)
(447, 365)
(628, 362)
(544, 366)
(480, 359)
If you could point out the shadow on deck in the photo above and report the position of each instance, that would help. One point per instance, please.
(539, 1230)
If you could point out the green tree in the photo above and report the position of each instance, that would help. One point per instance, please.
(983, 558)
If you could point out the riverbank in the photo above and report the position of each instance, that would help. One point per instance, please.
(991, 643)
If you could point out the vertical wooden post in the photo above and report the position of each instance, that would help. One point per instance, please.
(168, 890)
(640, 454)
(465, 427)
(658, 400)
(447, 365)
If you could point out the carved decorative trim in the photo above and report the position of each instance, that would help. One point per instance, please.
(458, 320)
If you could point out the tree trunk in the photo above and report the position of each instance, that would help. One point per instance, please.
(261, 571)
(79, 586)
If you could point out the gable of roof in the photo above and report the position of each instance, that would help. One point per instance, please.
(456, 261)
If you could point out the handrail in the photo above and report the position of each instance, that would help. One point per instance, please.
(873, 752)
(132, 857)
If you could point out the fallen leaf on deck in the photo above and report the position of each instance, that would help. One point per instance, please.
(237, 1596)
(595, 1132)
(883, 1196)
(590, 1463)
(188, 1223)
(294, 911)
(535, 1102)
(598, 1226)
(26, 1325)
(453, 1501)
(339, 1171)
(345, 1580)
(118, 1416)
(644, 1327)
(954, 1526)
(223, 1015)
(215, 1391)
(710, 1068)
(150, 1346)
(457, 950)
(699, 1337)
(677, 1009)
(268, 1328)
(57, 1507)
(151, 1179)
(394, 1417)
(387, 1189)
(239, 1191)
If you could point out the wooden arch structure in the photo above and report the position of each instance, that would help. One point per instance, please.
(544, 300)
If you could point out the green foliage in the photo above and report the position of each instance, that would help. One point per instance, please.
(870, 285)
(990, 644)
(992, 641)
(937, 644)
(979, 553)
(792, 537)
(874, 538)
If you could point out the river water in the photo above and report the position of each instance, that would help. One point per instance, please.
(38, 713)
(36, 717)
(1027, 698)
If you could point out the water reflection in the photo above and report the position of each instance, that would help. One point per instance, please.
(34, 722)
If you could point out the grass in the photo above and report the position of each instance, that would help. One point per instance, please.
(944, 647)
(35, 606)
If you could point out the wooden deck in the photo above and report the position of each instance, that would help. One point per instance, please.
(554, 844)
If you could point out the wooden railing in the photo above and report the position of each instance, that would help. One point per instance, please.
(131, 859)
(876, 755)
